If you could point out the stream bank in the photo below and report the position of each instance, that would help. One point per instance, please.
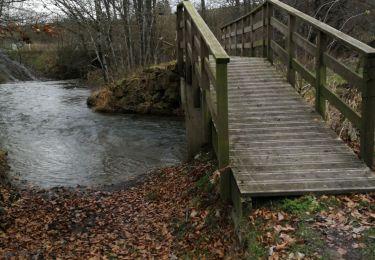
(175, 213)
(153, 90)
(3, 166)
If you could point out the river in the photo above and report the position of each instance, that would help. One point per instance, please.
(53, 139)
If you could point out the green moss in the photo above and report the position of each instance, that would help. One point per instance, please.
(152, 196)
(312, 242)
(300, 206)
(204, 184)
(369, 240)
(254, 247)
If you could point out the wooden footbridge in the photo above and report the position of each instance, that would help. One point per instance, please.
(268, 140)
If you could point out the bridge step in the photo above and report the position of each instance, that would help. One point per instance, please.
(278, 144)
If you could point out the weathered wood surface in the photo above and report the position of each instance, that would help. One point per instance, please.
(278, 144)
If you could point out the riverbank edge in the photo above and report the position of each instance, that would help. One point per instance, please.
(175, 212)
(4, 167)
(154, 90)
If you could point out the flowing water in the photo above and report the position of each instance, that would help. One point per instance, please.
(53, 139)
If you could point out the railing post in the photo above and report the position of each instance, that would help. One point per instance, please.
(194, 61)
(269, 32)
(368, 112)
(247, 37)
(230, 39)
(205, 87)
(252, 35)
(242, 36)
(180, 54)
(223, 37)
(291, 74)
(188, 65)
(264, 19)
(235, 39)
(321, 74)
(222, 129)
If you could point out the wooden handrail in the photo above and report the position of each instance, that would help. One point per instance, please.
(258, 39)
(209, 38)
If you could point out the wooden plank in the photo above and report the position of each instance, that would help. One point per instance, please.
(321, 74)
(305, 176)
(279, 26)
(280, 52)
(368, 115)
(293, 151)
(308, 166)
(345, 72)
(189, 50)
(257, 25)
(305, 73)
(269, 33)
(209, 72)
(304, 44)
(337, 187)
(294, 160)
(291, 73)
(222, 128)
(197, 44)
(212, 109)
(247, 29)
(345, 109)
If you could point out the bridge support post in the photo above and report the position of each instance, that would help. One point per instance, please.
(222, 128)
(291, 50)
(269, 32)
(193, 121)
(179, 53)
(321, 74)
(368, 113)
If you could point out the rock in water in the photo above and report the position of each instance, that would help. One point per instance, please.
(154, 90)
(11, 70)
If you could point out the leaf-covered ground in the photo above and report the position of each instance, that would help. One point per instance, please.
(309, 227)
(175, 213)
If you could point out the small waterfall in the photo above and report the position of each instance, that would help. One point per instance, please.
(11, 70)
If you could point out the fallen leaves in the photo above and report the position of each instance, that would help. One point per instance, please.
(333, 228)
(158, 219)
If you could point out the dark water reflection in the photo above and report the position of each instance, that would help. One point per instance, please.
(53, 139)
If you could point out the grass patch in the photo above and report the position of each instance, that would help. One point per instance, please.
(313, 243)
(152, 196)
(203, 184)
(300, 206)
(369, 240)
(255, 249)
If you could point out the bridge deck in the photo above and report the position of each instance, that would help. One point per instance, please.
(278, 144)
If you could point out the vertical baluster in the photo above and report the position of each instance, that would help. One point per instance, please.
(247, 36)
(243, 36)
(230, 39)
(180, 54)
(252, 19)
(205, 88)
(321, 74)
(269, 32)
(235, 39)
(291, 50)
(195, 79)
(264, 37)
(368, 112)
(222, 128)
